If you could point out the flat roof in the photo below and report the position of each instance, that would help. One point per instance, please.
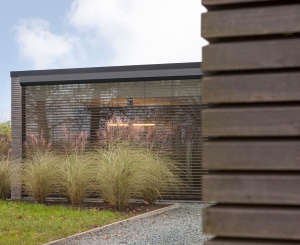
(108, 74)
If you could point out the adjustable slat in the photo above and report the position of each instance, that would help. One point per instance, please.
(172, 105)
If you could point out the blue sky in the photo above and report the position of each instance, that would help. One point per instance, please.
(50, 34)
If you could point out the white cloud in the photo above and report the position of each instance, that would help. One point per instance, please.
(142, 31)
(44, 49)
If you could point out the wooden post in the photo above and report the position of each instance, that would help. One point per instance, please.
(252, 84)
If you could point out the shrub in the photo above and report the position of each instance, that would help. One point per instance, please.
(40, 173)
(5, 177)
(5, 128)
(5, 139)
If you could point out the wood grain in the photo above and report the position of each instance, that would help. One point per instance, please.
(252, 155)
(251, 79)
(251, 22)
(253, 222)
(251, 121)
(282, 189)
(251, 55)
(271, 87)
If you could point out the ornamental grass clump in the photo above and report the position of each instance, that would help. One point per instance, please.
(74, 143)
(132, 163)
(40, 171)
(77, 178)
(117, 176)
(76, 170)
(125, 171)
(5, 177)
(118, 130)
(158, 175)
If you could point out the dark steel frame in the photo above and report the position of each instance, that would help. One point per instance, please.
(109, 74)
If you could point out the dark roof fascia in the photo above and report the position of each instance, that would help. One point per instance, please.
(109, 74)
(106, 69)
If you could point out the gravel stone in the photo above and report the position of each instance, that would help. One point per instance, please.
(182, 226)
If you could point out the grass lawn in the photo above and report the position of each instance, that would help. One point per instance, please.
(28, 223)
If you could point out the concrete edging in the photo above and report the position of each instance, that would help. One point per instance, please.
(145, 215)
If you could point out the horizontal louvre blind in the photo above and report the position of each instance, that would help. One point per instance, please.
(172, 105)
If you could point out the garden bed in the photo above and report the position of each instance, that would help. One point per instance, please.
(133, 208)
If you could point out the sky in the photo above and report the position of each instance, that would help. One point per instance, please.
(57, 34)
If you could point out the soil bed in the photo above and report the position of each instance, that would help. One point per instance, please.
(132, 209)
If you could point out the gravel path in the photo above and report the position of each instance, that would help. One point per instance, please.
(182, 225)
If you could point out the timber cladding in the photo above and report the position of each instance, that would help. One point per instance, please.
(252, 86)
(16, 140)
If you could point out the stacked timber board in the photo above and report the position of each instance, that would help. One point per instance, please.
(252, 85)
(16, 139)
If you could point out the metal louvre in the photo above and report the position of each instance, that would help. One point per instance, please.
(172, 105)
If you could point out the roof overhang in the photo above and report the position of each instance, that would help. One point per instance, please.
(110, 74)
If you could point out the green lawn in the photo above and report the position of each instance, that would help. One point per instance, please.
(28, 223)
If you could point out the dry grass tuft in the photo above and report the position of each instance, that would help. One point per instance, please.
(77, 177)
(117, 174)
(40, 176)
(36, 146)
(74, 143)
(118, 130)
(157, 174)
(126, 171)
(129, 162)
(5, 177)
(77, 172)
(40, 171)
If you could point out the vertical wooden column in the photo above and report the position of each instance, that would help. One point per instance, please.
(16, 141)
(252, 83)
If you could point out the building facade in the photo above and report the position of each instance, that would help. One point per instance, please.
(164, 97)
